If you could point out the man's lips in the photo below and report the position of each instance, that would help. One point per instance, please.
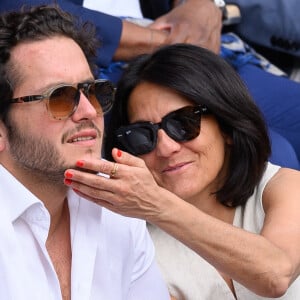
(82, 136)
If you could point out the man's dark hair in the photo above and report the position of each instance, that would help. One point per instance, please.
(34, 24)
(204, 78)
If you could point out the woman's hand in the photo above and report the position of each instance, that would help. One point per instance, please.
(126, 187)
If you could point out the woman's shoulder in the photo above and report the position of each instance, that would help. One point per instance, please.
(282, 188)
(279, 177)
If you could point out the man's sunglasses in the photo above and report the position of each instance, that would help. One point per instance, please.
(63, 100)
(180, 125)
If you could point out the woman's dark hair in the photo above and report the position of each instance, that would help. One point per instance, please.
(204, 78)
(34, 24)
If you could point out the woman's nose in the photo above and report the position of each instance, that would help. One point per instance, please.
(166, 145)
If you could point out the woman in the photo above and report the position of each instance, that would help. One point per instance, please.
(224, 221)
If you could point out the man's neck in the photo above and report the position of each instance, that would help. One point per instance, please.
(59, 214)
(59, 248)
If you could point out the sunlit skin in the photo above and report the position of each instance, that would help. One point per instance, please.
(193, 170)
(43, 65)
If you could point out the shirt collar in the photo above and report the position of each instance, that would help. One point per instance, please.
(15, 198)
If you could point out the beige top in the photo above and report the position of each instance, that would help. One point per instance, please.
(189, 277)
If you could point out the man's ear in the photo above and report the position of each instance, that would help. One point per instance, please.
(3, 136)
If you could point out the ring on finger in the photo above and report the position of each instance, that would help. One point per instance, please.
(114, 170)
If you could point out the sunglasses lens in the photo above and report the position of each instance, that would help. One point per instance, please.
(137, 140)
(183, 125)
(101, 96)
(62, 101)
(180, 125)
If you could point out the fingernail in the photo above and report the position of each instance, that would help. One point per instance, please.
(80, 163)
(68, 174)
(119, 153)
(68, 181)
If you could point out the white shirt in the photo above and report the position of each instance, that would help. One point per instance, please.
(112, 256)
(116, 8)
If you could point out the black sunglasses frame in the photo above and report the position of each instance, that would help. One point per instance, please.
(106, 100)
(192, 115)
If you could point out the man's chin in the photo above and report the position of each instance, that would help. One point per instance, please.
(88, 156)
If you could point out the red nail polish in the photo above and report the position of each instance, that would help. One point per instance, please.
(119, 153)
(68, 174)
(80, 163)
(68, 181)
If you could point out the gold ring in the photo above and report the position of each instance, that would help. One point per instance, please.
(114, 170)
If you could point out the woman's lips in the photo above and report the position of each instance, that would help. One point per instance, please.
(175, 167)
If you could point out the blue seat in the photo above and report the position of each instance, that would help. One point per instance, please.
(283, 154)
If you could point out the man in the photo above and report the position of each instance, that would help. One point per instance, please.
(54, 244)
(271, 24)
(123, 40)
(271, 27)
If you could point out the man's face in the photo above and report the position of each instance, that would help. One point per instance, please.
(35, 141)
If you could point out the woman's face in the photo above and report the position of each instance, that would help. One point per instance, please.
(191, 169)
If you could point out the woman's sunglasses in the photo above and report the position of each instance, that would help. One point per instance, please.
(63, 100)
(180, 125)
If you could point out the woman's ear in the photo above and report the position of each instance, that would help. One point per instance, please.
(227, 139)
